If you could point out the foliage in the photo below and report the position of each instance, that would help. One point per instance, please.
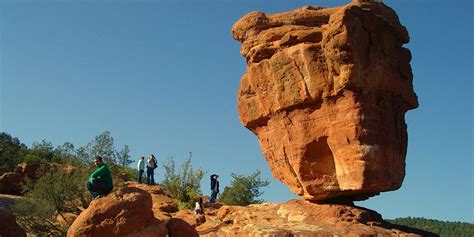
(184, 186)
(442, 228)
(103, 145)
(244, 190)
(56, 192)
(11, 151)
(123, 156)
(124, 174)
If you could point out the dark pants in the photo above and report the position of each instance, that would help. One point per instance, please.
(140, 174)
(150, 180)
(97, 187)
(213, 197)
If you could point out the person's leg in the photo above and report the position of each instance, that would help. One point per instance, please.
(153, 176)
(213, 197)
(148, 176)
(91, 188)
(100, 187)
(140, 174)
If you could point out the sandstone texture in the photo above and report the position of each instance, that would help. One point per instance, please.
(326, 91)
(8, 225)
(126, 212)
(140, 210)
(135, 210)
(300, 218)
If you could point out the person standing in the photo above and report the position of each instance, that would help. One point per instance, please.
(141, 169)
(214, 188)
(150, 168)
(100, 181)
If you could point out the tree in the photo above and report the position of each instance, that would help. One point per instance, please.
(11, 152)
(184, 186)
(103, 145)
(123, 156)
(64, 153)
(244, 189)
(40, 152)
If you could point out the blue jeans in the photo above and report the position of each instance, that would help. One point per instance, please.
(97, 187)
(140, 174)
(213, 197)
(149, 176)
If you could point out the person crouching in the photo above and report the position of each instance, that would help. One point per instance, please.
(100, 181)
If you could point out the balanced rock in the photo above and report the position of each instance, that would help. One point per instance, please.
(326, 91)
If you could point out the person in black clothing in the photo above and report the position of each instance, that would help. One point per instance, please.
(214, 188)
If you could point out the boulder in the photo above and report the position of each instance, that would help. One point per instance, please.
(301, 218)
(8, 225)
(126, 212)
(29, 170)
(326, 91)
(12, 183)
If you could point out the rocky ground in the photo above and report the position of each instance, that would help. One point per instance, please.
(140, 210)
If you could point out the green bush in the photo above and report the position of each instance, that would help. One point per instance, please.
(184, 186)
(55, 193)
(244, 190)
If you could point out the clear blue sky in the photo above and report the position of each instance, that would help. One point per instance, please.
(162, 76)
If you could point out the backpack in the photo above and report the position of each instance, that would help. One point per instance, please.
(155, 165)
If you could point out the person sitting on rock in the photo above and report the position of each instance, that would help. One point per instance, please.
(199, 207)
(100, 181)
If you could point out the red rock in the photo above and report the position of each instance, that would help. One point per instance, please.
(66, 219)
(12, 183)
(8, 225)
(30, 170)
(127, 211)
(180, 228)
(301, 218)
(326, 91)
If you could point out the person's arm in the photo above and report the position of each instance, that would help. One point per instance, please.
(99, 172)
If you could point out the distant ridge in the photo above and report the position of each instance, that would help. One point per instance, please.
(442, 228)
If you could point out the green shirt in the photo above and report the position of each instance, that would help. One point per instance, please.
(103, 174)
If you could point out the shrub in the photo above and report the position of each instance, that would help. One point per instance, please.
(244, 190)
(184, 186)
(56, 192)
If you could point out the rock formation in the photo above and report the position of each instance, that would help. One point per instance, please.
(326, 91)
(141, 210)
(126, 212)
(300, 218)
(135, 210)
(8, 225)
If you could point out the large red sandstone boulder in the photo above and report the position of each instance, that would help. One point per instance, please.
(126, 212)
(326, 91)
(30, 170)
(301, 218)
(12, 183)
(8, 225)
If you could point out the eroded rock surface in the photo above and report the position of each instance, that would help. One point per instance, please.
(126, 212)
(300, 218)
(326, 91)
